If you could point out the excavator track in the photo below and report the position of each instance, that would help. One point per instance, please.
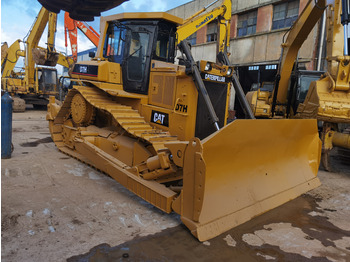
(132, 123)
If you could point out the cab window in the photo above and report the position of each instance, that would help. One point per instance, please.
(114, 43)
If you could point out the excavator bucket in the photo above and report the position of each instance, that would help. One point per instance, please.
(42, 57)
(246, 169)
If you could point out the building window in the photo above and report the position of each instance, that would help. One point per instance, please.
(212, 32)
(285, 14)
(246, 24)
(270, 67)
(253, 68)
(192, 38)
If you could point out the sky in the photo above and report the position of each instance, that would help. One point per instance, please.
(17, 16)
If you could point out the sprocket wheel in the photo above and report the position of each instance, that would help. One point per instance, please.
(82, 111)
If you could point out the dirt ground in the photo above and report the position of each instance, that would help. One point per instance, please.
(54, 208)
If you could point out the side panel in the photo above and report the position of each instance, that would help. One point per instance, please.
(162, 89)
(173, 97)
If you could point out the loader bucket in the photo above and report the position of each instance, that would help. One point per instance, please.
(246, 169)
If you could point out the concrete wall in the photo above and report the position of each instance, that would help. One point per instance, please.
(259, 48)
(264, 19)
(205, 52)
(267, 48)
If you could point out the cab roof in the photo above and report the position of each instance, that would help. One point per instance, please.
(144, 15)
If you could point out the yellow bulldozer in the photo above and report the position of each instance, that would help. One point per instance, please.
(158, 125)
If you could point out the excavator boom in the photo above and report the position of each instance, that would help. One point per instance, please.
(71, 29)
(9, 57)
(296, 37)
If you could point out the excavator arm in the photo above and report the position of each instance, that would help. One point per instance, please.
(9, 57)
(336, 61)
(202, 18)
(71, 29)
(290, 48)
(264, 103)
(32, 42)
(33, 53)
(328, 99)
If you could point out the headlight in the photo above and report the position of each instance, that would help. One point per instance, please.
(207, 67)
(229, 71)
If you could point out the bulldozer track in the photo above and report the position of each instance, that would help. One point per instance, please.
(127, 117)
(135, 125)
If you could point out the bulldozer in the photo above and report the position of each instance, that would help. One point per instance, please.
(158, 125)
(324, 96)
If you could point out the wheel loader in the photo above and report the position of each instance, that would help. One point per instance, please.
(158, 125)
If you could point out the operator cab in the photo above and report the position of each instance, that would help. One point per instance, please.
(299, 85)
(133, 43)
(47, 80)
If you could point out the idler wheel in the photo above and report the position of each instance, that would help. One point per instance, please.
(82, 111)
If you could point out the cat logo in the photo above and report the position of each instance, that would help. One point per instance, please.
(160, 118)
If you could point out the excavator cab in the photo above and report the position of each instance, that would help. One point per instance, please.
(299, 85)
(47, 80)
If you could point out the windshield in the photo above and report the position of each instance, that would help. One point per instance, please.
(50, 77)
(164, 49)
(114, 44)
(304, 83)
(267, 86)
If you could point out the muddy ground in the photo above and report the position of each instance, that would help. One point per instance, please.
(54, 208)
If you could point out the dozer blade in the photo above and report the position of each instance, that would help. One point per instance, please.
(246, 169)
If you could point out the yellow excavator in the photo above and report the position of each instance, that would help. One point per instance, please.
(39, 79)
(307, 95)
(160, 128)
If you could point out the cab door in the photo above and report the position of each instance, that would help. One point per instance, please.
(137, 59)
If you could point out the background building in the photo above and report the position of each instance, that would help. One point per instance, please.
(257, 31)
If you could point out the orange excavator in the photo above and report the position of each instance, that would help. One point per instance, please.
(71, 27)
